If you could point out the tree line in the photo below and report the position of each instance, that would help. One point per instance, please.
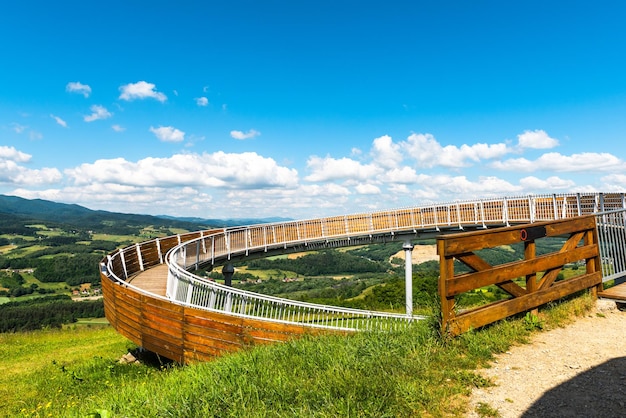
(48, 312)
(324, 262)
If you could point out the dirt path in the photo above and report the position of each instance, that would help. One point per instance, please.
(575, 371)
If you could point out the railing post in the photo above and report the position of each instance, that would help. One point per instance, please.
(123, 263)
(601, 195)
(197, 254)
(139, 257)
(159, 251)
(505, 212)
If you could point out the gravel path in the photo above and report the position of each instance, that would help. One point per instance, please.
(575, 371)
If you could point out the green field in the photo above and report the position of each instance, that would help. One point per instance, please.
(75, 372)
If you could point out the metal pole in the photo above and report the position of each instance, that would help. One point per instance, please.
(228, 271)
(408, 276)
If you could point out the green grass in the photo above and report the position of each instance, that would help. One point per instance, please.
(89, 322)
(75, 372)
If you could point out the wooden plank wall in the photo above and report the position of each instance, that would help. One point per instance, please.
(531, 282)
(186, 334)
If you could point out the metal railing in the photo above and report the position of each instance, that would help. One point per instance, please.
(612, 242)
(204, 294)
(205, 248)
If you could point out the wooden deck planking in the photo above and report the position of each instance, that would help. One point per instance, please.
(616, 293)
(153, 280)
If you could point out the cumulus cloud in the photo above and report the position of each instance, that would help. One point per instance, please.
(328, 169)
(79, 88)
(218, 170)
(614, 182)
(12, 172)
(12, 154)
(36, 177)
(428, 152)
(537, 139)
(118, 128)
(202, 101)
(97, 112)
(324, 190)
(385, 152)
(367, 189)
(168, 134)
(400, 175)
(141, 90)
(553, 161)
(462, 187)
(244, 135)
(533, 183)
(59, 121)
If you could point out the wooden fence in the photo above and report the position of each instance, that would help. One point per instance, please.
(531, 282)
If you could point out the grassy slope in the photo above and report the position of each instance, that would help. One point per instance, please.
(75, 372)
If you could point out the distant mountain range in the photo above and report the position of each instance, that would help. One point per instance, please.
(45, 210)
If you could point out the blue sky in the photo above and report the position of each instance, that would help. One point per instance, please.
(309, 108)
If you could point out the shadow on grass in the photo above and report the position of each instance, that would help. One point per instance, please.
(598, 392)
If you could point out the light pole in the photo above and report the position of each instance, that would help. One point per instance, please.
(408, 276)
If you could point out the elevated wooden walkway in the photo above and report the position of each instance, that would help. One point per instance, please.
(153, 280)
(202, 321)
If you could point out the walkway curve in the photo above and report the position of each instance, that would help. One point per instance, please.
(141, 317)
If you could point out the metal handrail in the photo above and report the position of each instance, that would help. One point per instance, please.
(611, 226)
(213, 296)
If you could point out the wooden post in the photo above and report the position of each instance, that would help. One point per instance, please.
(530, 252)
(593, 265)
(446, 270)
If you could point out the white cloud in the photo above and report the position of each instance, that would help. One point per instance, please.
(399, 189)
(118, 128)
(217, 170)
(168, 134)
(428, 152)
(534, 184)
(10, 153)
(11, 172)
(616, 179)
(241, 135)
(37, 177)
(328, 169)
(537, 139)
(324, 190)
(403, 175)
(141, 90)
(202, 101)
(97, 112)
(553, 161)
(385, 152)
(78, 87)
(368, 189)
(59, 121)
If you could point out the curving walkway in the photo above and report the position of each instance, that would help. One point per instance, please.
(154, 299)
